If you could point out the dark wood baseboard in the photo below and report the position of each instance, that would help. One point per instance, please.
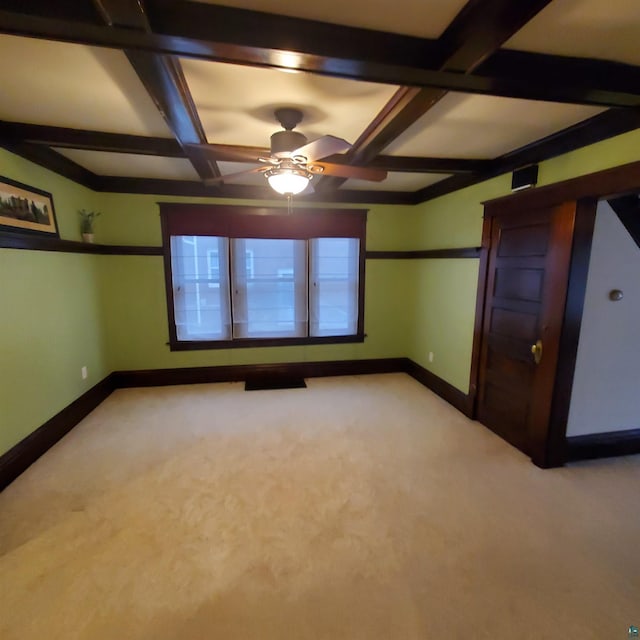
(238, 373)
(27, 451)
(603, 445)
(461, 401)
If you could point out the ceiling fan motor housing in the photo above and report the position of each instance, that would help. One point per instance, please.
(284, 142)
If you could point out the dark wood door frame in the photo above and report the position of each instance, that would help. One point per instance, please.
(585, 191)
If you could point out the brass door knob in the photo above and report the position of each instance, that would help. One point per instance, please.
(536, 350)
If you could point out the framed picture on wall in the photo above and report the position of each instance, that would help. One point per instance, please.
(26, 209)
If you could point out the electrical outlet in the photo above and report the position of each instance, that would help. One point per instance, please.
(84, 373)
(430, 356)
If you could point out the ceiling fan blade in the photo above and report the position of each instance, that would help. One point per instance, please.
(231, 153)
(347, 171)
(321, 148)
(230, 177)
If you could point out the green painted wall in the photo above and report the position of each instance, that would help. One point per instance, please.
(64, 311)
(137, 329)
(135, 220)
(445, 290)
(68, 197)
(50, 323)
(135, 306)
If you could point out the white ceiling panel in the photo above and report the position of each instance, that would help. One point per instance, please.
(397, 181)
(129, 165)
(473, 126)
(236, 104)
(608, 30)
(70, 85)
(409, 17)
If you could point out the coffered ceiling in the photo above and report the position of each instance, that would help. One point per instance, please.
(117, 94)
(584, 28)
(412, 17)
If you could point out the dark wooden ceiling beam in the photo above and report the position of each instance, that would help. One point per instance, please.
(164, 81)
(411, 164)
(117, 184)
(65, 11)
(481, 28)
(226, 34)
(89, 140)
(606, 75)
(375, 56)
(236, 153)
(613, 122)
(477, 32)
(62, 137)
(600, 127)
(53, 161)
(264, 36)
(233, 42)
(123, 13)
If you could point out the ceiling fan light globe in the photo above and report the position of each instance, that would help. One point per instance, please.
(287, 182)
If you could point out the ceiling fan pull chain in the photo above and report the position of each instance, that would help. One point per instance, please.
(289, 207)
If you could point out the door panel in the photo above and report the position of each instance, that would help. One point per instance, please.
(528, 240)
(518, 283)
(501, 365)
(514, 324)
(527, 277)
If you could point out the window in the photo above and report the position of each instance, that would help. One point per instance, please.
(213, 267)
(334, 279)
(238, 277)
(270, 301)
(200, 288)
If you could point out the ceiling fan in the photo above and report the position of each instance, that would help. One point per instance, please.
(293, 161)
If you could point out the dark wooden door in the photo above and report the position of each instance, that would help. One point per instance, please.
(527, 276)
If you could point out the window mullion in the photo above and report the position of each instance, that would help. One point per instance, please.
(309, 285)
(227, 243)
(239, 288)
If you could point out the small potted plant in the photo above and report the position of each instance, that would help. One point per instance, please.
(87, 219)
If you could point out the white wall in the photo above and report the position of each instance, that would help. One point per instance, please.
(606, 387)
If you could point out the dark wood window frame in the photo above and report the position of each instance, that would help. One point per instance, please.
(231, 221)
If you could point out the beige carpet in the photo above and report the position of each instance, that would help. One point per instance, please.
(358, 508)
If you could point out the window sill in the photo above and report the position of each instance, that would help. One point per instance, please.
(243, 343)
